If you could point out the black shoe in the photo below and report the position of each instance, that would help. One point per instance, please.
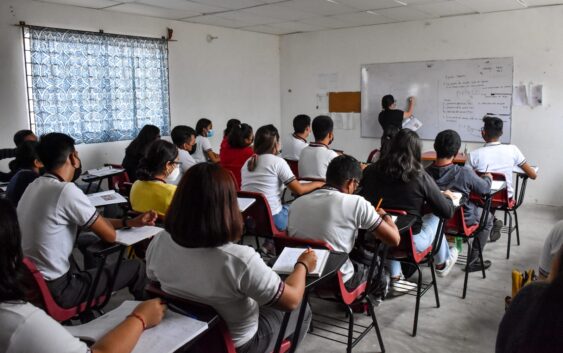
(476, 265)
(495, 232)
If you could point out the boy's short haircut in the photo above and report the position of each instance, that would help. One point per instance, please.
(181, 134)
(492, 126)
(322, 126)
(54, 148)
(447, 144)
(300, 123)
(19, 137)
(342, 169)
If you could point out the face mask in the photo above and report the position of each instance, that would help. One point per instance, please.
(194, 147)
(77, 171)
(210, 133)
(173, 176)
(331, 140)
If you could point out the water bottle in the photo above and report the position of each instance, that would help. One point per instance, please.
(459, 244)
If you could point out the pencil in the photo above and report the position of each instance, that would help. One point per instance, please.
(379, 204)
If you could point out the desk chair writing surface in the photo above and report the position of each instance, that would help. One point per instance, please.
(258, 217)
(330, 286)
(91, 179)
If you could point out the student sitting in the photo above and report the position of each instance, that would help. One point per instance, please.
(499, 158)
(203, 150)
(294, 144)
(267, 173)
(184, 138)
(27, 165)
(26, 328)
(203, 227)
(533, 321)
(137, 149)
(51, 211)
(386, 138)
(450, 176)
(237, 150)
(157, 170)
(552, 244)
(400, 180)
(342, 214)
(19, 138)
(314, 159)
(230, 124)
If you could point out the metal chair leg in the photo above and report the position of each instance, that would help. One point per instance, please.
(466, 270)
(509, 235)
(481, 257)
(350, 329)
(434, 282)
(418, 290)
(516, 227)
(375, 324)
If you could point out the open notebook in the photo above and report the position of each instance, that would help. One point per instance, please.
(288, 258)
(173, 332)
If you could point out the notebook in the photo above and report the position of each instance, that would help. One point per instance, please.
(105, 198)
(457, 198)
(130, 236)
(288, 258)
(497, 185)
(173, 332)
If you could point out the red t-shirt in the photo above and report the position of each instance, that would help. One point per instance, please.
(234, 158)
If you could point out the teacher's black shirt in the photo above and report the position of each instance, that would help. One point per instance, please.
(392, 117)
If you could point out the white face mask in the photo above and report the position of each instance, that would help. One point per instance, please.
(173, 176)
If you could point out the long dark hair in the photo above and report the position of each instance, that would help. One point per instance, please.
(388, 135)
(204, 212)
(139, 146)
(230, 124)
(154, 162)
(11, 255)
(238, 134)
(265, 141)
(402, 160)
(201, 124)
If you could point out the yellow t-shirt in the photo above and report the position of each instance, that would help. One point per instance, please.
(151, 195)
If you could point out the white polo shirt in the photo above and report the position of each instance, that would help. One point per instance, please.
(553, 243)
(187, 161)
(314, 161)
(232, 278)
(202, 145)
(272, 173)
(50, 213)
(26, 328)
(292, 147)
(333, 216)
(498, 158)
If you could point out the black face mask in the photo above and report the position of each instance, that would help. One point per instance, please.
(193, 148)
(331, 141)
(77, 171)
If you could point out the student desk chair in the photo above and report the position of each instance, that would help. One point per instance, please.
(430, 156)
(91, 179)
(294, 166)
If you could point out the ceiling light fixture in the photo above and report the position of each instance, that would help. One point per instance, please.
(332, 1)
(372, 12)
(401, 2)
(522, 3)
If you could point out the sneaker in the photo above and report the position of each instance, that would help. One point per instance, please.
(449, 263)
(495, 232)
(268, 248)
(476, 265)
(400, 286)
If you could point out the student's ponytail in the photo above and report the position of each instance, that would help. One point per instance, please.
(238, 134)
(265, 142)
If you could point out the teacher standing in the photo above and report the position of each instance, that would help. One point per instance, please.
(390, 116)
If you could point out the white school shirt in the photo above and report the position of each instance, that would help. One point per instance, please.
(50, 213)
(553, 243)
(269, 178)
(332, 216)
(187, 161)
(231, 278)
(292, 147)
(26, 328)
(314, 161)
(202, 145)
(498, 158)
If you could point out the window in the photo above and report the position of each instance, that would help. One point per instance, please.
(95, 87)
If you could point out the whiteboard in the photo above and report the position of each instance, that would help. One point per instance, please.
(450, 94)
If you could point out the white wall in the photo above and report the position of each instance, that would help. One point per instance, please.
(532, 37)
(237, 75)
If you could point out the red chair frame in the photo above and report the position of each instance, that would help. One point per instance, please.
(294, 166)
(261, 214)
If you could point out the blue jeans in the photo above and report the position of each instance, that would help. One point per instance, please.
(280, 218)
(422, 241)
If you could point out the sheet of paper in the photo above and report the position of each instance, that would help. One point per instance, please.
(103, 171)
(244, 203)
(322, 102)
(497, 185)
(104, 198)
(412, 123)
(288, 258)
(536, 95)
(519, 96)
(132, 236)
(174, 331)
